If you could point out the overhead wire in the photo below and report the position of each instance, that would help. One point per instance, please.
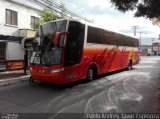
(57, 8)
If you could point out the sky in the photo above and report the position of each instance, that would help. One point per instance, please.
(104, 14)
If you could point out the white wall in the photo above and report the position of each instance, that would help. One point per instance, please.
(13, 51)
(24, 17)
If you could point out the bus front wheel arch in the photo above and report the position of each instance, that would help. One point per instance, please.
(92, 72)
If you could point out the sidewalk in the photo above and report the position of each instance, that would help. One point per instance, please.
(10, 77)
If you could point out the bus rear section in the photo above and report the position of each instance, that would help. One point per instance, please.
(110, 51)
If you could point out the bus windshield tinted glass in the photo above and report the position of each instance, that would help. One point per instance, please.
(45, 52)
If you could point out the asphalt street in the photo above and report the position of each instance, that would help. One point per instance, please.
(119, 92)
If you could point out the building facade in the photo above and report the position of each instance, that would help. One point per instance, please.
(153, 49)
(17, 20)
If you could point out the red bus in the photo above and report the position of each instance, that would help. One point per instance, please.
(68, 50)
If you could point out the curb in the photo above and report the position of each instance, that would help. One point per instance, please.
(7, 82)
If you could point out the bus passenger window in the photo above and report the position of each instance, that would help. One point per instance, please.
(74, 43)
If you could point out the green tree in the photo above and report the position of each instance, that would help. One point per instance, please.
(50, 15)
(143, 8)
(47, 15)
(35, 26)
(63, 13)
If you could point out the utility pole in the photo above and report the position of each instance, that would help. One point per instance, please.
(152, 45)
(140, 38)
(135, 29)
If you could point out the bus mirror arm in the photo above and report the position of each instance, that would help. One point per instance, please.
(58, 37)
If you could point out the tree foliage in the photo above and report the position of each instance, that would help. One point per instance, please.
(143, 8)
(47, 15)
(63, 11)
(50, 15)
(35, 26)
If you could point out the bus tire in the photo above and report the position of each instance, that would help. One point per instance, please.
(92, 73)
(31, 80)
(130, 65)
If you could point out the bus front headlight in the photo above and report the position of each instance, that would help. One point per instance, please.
(57, 70)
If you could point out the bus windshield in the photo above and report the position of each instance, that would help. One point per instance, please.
(44, 51)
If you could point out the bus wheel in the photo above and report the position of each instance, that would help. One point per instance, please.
(31, 80)
(91, 74)
(130, 65)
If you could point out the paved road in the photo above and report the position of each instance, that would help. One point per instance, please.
(124, 91)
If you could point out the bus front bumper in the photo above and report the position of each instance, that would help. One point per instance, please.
(56, 78)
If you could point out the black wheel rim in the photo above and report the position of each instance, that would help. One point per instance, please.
(130, 66)
(90, 74)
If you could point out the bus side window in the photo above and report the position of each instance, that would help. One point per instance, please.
(74, 43)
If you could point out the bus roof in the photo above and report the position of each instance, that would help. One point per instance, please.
(92, 25)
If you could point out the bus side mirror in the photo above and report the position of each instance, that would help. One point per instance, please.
(59, 38)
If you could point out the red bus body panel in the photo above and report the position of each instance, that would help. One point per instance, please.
(106, 58)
